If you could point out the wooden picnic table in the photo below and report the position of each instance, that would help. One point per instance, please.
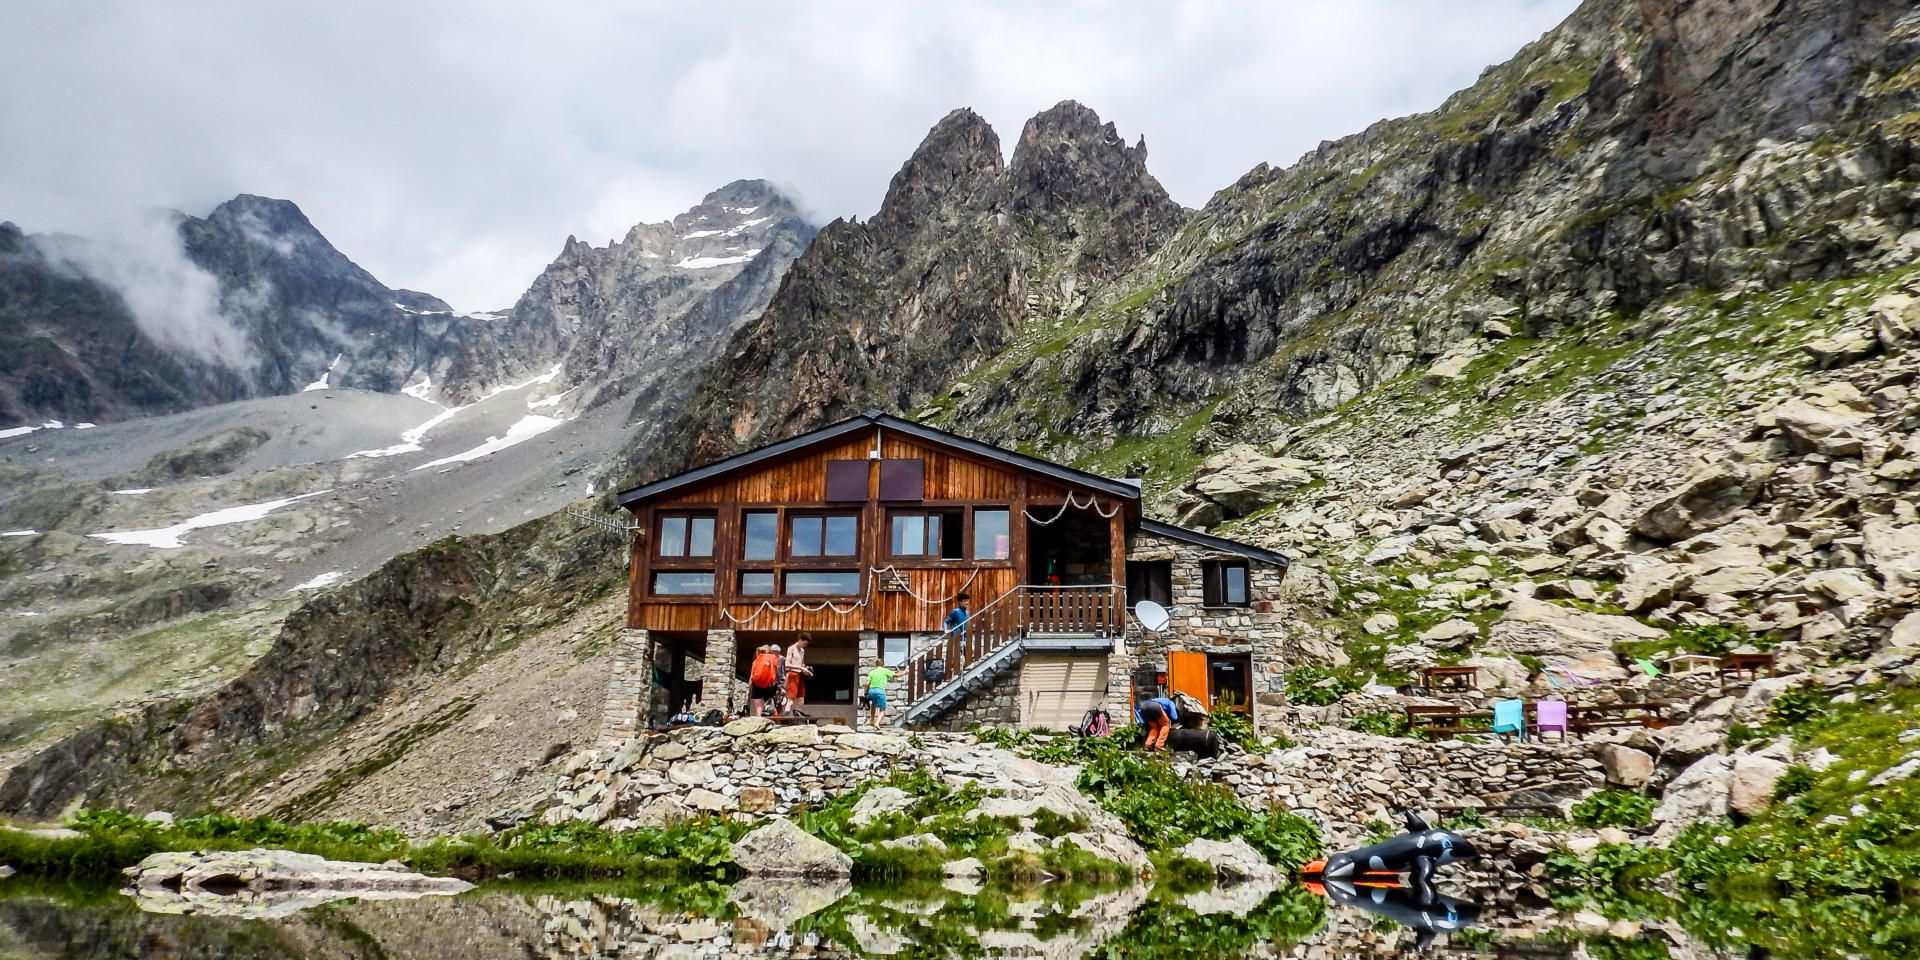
(1447, 719)
(1582, 718)
(1735, 664)
(1449, 678)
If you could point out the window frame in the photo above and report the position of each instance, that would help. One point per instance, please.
(972, 542)
(821, 559)
(1147, 572)
(1213, 584)
(859, 581)
(653, 583)
(683, 558)
(959, 516)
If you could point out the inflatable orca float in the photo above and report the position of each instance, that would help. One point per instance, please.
(1418, 906)
(1417, 852)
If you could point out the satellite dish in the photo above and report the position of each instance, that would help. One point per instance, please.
(1151, 615)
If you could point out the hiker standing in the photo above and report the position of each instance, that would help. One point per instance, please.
(956, 622)
(763, 680)
(797, 674)
(876, 695)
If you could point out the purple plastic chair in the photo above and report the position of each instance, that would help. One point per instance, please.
(1550, 715)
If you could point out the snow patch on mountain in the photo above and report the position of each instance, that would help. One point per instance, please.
(169, 538)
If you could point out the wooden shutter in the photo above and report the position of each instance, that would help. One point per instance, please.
(846, 480)
(903, 480)
(1187, 673)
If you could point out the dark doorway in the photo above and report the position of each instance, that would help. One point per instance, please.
(1071, 551)
(1230, 680)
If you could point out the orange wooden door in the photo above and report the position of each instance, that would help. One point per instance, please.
(1187, 673)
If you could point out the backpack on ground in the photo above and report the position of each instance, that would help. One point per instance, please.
(766, 670)
(1095, 724)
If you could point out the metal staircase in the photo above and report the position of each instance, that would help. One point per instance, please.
(1028, 618)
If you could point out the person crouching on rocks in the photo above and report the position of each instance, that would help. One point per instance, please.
(1158, 714)
(763, 680)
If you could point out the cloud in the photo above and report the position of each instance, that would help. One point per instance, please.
(451, 146)
(171, 298)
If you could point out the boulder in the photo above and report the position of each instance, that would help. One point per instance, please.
(1649, 584)
(1111, 845)
(918, 841)
(746, 725)
(1842, 584)
(1896, 319)
(1709, 498)
(1380, 624)
(1844, 347)
(877, 803)
(1538, 628)
(756, 799)
(1750, 790)
(1500, 673)
(965, 868)
(779, 848)
(1810, 426)
(1700, 792)
(1254, 481)
(1688, 743)
(1234, 861)
(1892, 551)
(1623, 765)
(1449, 631)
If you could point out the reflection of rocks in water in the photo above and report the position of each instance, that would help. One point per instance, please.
(260, 884)
(778, 903)
(1239, 898)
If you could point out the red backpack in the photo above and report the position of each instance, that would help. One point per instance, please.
(766, 669)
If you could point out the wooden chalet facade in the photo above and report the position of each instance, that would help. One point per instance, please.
(862, 534)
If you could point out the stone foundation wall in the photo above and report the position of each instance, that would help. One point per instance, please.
(1342, 779)
(629, 689)
(995, 705)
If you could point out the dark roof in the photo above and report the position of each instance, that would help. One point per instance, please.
(1247, 550)
(871, 418)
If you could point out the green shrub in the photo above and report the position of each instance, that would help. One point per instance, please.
(1614, 808)
(1469, 818)
(1308, 686)
(1163, 810)
(1384, 723)
(1794, 706)
(1796, 780)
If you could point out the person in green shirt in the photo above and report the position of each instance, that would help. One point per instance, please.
(876, 695)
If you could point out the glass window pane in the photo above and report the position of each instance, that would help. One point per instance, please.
(991, 539)
(756, 583)
(893, 651)
(843, 536)
(1236, 584)
(803, 583)
(678, 584)
(909, 535)
(700, 537)
(931, 543)
(673, 536)
(761, 537)
(805, 540)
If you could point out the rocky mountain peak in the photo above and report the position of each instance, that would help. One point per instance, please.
(1075, 179)
(957, 165)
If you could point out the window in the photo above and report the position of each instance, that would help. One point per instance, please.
(1224, 583)
(1150, 580)
(818, 583)
(759, 535)
(832, 535)
(894, 651)
(756, 583)
(926, 534)
(686, 535)
(1230, 680)
(677, 584)
(992, 539)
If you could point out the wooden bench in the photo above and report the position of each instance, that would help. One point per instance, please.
(1446, 719)
(1600, 716)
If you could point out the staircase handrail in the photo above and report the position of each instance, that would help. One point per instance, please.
(984, 632)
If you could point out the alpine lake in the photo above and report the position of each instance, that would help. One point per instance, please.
(686, 918)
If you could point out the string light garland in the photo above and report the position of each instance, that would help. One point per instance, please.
(1073, 502)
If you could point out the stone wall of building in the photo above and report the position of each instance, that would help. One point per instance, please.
(1259, 629)
(629, 688)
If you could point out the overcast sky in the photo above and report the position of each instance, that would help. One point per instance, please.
(451, 145)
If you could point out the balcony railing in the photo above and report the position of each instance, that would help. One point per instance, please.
(1027, 610)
